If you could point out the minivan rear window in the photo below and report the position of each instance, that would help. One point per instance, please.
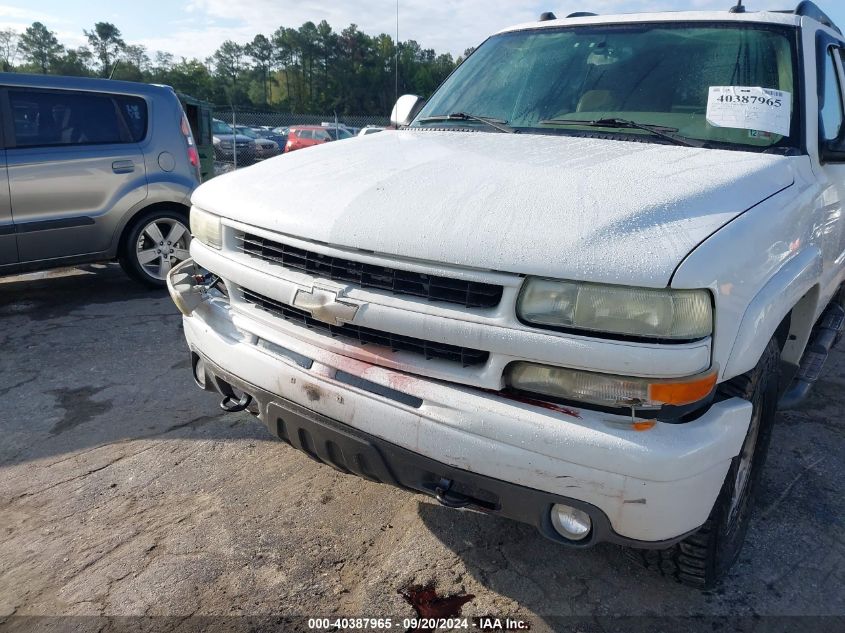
(58, 117)
(134, 112)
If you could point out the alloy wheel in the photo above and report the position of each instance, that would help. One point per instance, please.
(161, 245)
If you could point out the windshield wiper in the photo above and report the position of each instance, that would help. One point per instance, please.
(500, 125)
(662, 131)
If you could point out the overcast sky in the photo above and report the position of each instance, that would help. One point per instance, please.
(195, 28)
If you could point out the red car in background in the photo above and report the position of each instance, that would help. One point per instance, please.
(301, 136)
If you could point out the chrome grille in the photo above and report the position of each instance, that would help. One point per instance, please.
(469, 294)
(366, 336)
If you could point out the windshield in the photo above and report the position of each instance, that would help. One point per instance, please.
(245, 131)
(218, 127)
(683, 77)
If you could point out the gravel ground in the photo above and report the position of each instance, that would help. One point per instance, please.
(126, 491)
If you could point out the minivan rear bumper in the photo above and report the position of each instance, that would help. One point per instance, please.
(651, 486)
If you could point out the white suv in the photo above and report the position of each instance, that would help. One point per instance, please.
(571, 288)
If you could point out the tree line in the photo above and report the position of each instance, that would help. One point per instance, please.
(312, 69)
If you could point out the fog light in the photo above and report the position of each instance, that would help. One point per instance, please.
(570, 522)
(199, 372)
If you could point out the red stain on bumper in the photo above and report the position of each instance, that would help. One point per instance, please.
(551, 406)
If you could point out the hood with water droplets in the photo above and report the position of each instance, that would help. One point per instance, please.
(556, 206)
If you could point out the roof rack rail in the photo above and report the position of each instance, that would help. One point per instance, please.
(546, 16)
(811, 10)
(582, 14)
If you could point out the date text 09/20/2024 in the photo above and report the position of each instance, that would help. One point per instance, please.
(483, 623)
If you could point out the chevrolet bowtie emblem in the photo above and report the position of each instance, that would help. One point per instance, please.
(325, 306)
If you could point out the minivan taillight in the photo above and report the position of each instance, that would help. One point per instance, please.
(193, 154)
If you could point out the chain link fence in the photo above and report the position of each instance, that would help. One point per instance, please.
(262, 135)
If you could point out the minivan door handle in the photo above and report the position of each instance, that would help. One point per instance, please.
(123, 166)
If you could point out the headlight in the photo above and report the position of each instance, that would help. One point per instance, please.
(205, 227)
(645, 312)
(608, 390)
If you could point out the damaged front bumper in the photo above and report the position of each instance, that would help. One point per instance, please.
(514, 458)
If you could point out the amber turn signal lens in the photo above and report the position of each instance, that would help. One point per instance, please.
(644, 425)
(609, 390)
(682, 393)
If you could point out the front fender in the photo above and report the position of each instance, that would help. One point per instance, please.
(758, 267)
(784, 290)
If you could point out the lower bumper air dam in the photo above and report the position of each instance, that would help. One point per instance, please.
(353, 452)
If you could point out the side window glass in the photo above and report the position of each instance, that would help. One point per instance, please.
(134, 113)
(71, 118)
(831, 108)
(304, 134)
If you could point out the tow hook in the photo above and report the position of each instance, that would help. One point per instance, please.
(450, 499)
(229, 404)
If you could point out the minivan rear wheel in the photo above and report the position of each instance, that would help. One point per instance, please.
(154, 243)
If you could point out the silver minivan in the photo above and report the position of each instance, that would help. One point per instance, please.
(92, 170)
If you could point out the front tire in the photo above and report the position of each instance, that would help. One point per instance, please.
(703, 558)
(153, 243)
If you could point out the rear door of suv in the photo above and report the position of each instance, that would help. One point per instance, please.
(75, 167)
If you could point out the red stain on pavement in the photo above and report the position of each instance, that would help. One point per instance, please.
(428, 604)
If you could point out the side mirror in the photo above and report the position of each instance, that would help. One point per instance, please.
(406, 108)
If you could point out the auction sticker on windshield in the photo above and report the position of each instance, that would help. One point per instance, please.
(743, 108)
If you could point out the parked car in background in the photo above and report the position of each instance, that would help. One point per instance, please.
(338, 133)
(280, 137)
(301, 136)
(370, 129)
(592, 336)
(264, 147)
(229, 145)
(268, 133)
(94, 170)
